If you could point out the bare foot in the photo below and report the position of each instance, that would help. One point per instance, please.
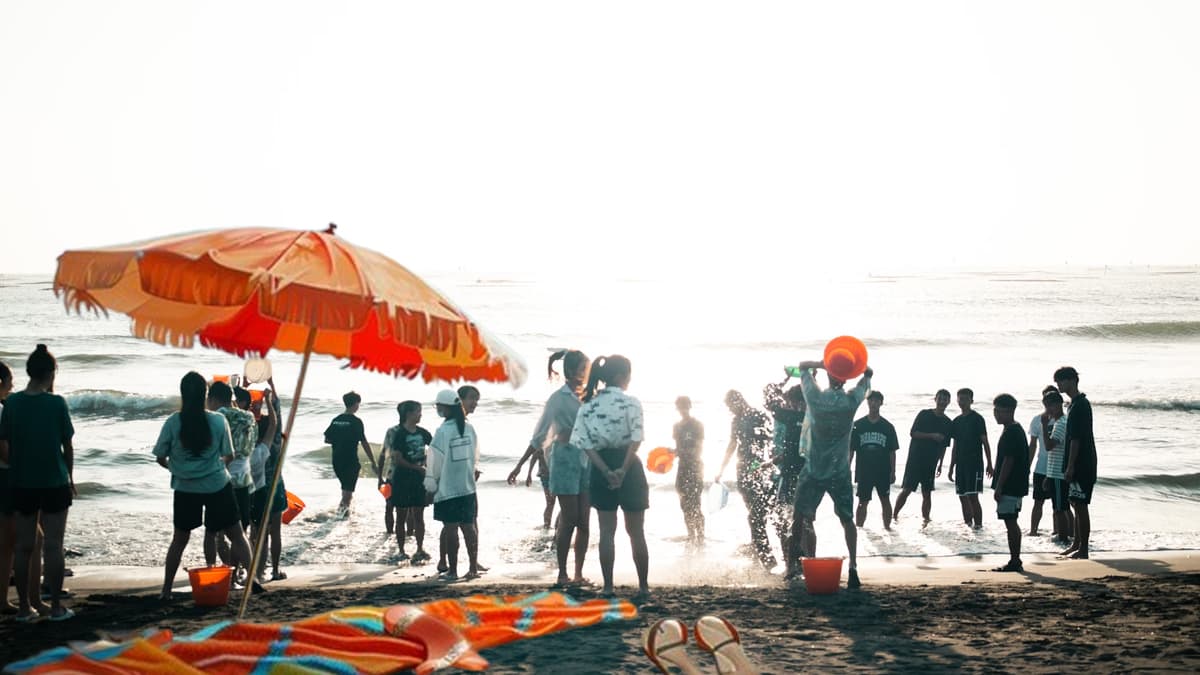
(1079, 555)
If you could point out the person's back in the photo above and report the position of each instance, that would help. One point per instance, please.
(197, 472)
(34, 426)
(1012, 446)
(828, 423)
(343, 434)
(451, 461)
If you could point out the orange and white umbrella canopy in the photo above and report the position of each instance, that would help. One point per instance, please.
(248, 291)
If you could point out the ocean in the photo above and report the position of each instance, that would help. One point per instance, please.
(1131, 333)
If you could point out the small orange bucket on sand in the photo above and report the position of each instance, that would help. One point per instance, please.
(822, 575)
(210, 585)
(295, 506)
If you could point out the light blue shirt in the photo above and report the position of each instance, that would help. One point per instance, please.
(201, 473)
(827, 426)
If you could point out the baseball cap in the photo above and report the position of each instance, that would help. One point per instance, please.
(447, 397)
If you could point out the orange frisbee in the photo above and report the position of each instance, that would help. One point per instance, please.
(845, 357)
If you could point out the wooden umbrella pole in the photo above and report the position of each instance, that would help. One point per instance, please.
(252, 573)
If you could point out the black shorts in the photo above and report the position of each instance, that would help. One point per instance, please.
(632, 495)
(867, 488)
(462, 509)
(969, 481)
(1039, 490)
(918, 471)
(408, 489)
(216, 510)
(6, 497)
(1079, 492)
(1058, 494)
(347, 474)
(29, 501)
(242, 497)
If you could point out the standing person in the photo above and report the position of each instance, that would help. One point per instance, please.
(787, 410)
(830, 420)
(969, 432)
(259, 506)
(750, 435)
(1040, 428)
(874, 439)
(345, 433)
(1080, 473)
(688, 433)
(243, 433)
(930, 436)
(1011, 482)
(405, 450)
(609, 429)
(469, 396)
(450, 481)
(194, 445)
(8, 523)
(36, 443)
(1056, 487)
(262, 469)
(569, 466)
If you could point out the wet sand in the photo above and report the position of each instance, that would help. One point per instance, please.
(1122, 612)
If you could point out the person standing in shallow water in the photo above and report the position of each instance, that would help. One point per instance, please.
(1011, 481)
(36, 436)
(8, 522)
(749, 436)
(874, 440)
(969, 433)
(450, 483)
(829, 422)
(930, 435)
(1080, 472)
(405, 452)
(787, 412)
(569, 466)
(468, 396)
(609, 429)
(689, 475)
(344, 434)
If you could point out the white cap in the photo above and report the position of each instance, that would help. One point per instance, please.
(447, 397)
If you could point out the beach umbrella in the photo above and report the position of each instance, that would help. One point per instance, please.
(253, 290)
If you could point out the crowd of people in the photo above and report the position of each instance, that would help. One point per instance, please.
(222, 450)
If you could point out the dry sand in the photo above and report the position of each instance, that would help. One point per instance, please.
(1119, 612)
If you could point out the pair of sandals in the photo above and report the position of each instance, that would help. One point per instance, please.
(34, 617)
(665, 643)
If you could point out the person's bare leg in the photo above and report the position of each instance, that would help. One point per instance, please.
(583, 533)
(851, 542)
(179, 542)
(389, 517)
(885, 501)
(968, 513)
(568, 515)
(976, 512)
(1083, 530)
(449, 542)
(417, 524)
(548, 513)
(1035, 516)
(470, 533)
(402, 532)
(926, 504)
(345, 505)
(860, 515)
(276, 545)
(54, 527)
(901, 499)
(1014, 540)
(210, 547)
(635, 522)
(29, 597)
(608, 533)
(8, 545)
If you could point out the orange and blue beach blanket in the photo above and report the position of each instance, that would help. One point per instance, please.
(369, 640)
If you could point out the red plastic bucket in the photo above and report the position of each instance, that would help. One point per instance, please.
(210, 585)
(822, 575)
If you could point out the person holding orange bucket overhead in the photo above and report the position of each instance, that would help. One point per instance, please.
(829, 420)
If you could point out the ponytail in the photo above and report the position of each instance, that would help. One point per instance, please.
(5, 372)
(194, 433)
(606, 369)
(456, 413)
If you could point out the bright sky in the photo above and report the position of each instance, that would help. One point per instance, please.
(515, 137)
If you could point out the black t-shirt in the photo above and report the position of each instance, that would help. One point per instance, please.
(789, 424)
(344, 434)
(1013, 447)
(411, 445)
(1079, 428)
(872, 443)
(753, 433)
(689, 434)
(929, 422)
(968, 431)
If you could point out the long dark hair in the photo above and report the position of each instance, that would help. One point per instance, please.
(5, 372)
(194, 433)
(571, 358)
(41, 363)
(606, 369)
(455, 412)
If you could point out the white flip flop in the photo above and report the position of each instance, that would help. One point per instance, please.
(665, 643)
(718, 636)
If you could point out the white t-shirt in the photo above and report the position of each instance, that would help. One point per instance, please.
(1056, 458)
(450, 471)
(1036, 431)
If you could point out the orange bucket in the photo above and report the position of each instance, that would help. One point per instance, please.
(845, 357)
(210, 585)
(822, 575)
(294, 507)
(660, 460)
